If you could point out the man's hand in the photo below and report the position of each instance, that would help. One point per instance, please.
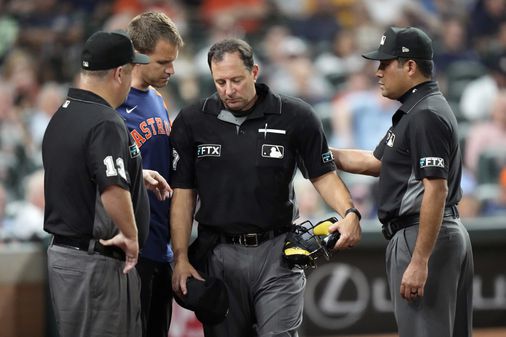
(413, 280)
(129, 246)
(156, 183)
(182, 271)
(349, 228)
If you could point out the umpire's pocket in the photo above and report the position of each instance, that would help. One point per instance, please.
(64, 282)
(409, 236)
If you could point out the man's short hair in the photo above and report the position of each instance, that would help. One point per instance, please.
(426, 67)
(230, 46)
(148, 28)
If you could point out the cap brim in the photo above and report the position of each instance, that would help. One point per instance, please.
(140, 58)
(378, 56)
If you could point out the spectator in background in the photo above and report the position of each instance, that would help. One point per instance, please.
(9, 30)
(175, 9)
(246, 15)
(319, 24)
(51, 30)
(15, 162)
(477, 97)
(49, 99)
(452, 46)
(470, 204)
(360, 115)
(497, 205)
(486, 17)
(270, 47)
(310, 205)
(342, 58)
(27, 216)
(296, 74)
(20, 71)
(365, 27)
(488, 135)
(388, 12)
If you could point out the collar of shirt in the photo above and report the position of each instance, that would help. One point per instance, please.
(412, 97)
(85, 95)
(415, 94)
(268, 103)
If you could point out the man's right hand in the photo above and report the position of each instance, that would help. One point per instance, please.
(129, 246)
(182, 271)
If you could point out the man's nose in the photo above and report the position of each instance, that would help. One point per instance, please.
(229, 89)
(170, 69)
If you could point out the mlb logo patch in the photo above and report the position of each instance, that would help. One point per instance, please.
(134, 150)
(273, 151)
(208, 150)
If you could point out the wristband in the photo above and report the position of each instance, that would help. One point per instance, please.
(353, 210)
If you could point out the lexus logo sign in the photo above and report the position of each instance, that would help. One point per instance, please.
(336, 296)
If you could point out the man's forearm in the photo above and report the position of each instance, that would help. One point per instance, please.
(334, 192)
(431, 217)
(356, 161)
(181, 219)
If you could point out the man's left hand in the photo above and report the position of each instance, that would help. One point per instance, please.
(156, 183)
(413, 280)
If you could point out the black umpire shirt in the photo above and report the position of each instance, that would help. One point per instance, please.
(86, 148)
(422, 143)
(242, 168)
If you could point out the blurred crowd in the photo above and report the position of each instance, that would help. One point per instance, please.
(305, 48)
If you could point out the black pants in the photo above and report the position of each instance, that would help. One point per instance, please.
(156, 297)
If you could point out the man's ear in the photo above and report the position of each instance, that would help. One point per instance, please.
(412, 66)
(117, 74)
(255, 71)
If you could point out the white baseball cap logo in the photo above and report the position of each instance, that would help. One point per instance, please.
(383, 38)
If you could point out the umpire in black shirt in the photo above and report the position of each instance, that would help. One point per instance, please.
(429, 259)
(96, 203)
(238, 150)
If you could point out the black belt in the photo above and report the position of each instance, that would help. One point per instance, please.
(397, 224)
(252, 239)
(89, 245)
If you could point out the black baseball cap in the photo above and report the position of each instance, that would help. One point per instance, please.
(409, 42)
(208, 299)
(108, 50)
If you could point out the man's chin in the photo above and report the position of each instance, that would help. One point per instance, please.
(159, 84)
(233, 107)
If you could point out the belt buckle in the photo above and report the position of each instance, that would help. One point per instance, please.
(245, 240)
